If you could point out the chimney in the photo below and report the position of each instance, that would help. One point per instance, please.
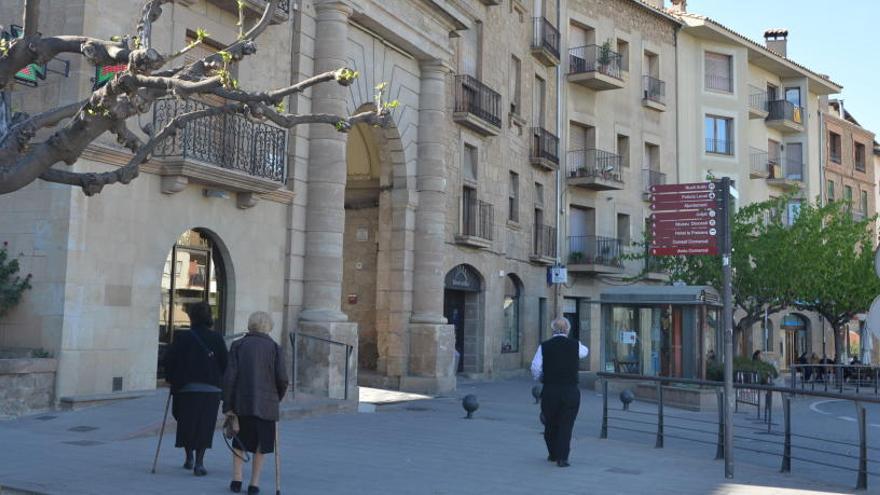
(777, 41)
(678, 6)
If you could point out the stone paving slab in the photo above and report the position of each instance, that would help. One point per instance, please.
(407, 448)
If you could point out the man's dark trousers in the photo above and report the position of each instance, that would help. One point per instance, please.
(560, 405)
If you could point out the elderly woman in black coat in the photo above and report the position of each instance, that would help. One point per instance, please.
(194, 364)
(255, 383)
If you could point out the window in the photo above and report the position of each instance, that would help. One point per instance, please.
(510, 338)
(847, 195)
(793, 96)
(623, 51)
(794, 211)
(469, 210)
(652, 157)
(581, 137)
(719, 72)
(859, 154)
(623, 229)
(539, 195)
(834, 145)
(623, 149)
(719, 135)
(515, 77)
(513, 198)
(863, 202)
(830, 190)
(652, 65)
(469, 50)
(470, 163)
(539, 97)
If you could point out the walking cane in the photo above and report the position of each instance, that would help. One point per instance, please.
(277, 461)
(161, 432)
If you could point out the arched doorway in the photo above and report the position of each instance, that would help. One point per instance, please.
(510, 337)
(463, 309)
(195, 271)
(795, 338)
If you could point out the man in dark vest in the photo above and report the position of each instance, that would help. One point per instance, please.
(556, 365)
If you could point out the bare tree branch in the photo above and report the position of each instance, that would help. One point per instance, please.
(150, 14)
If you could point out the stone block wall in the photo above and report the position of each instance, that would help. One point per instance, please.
(26, 385)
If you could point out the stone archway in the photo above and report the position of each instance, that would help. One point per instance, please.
(464, 309)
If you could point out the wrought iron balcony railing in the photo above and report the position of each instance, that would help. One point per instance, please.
(759, 161)
(717, 82)
(545, 36)
(474, 97)
(653, 178)
(594, 58)
(719, 146)
(544, 244)
(477, 219)
(545, 145)
(785, 110)
(757, 99)
(594, 250)
(230, 141)
(654, 89)
(594, 163)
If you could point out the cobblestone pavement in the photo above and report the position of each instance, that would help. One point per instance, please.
(416, 447)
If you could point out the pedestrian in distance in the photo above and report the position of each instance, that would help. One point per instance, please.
(556, 365)
(194, 364)
(255, 382)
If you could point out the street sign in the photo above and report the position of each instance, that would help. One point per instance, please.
(685, 251)
(680, 188)
(682, 205)
(684, 196)
(683, 215)
(684, 222)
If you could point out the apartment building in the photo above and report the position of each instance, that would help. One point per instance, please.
(755, 116)
(848, 161)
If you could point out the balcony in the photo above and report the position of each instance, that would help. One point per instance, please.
(654, 268)
(594, 169)
(654, 93)
(544, 152)
(785, 117)
(545, 42)
(788, 174)
(477, 224)
(759, 164)
(757, 103)
(477, 106)
(651, 178)
(595, 67)
(720, 83)
(229, 150)
(543, 245)
(719, 146)
(594, 254)
(253, 7)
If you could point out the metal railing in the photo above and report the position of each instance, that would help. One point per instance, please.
(349, 349)
(792, 169)
(757, 99)
(653, 264)
(545, 145)
(747, 437)
(719, 146)
(477, 219)
(545, 36)
(230, 141)
(654, 89)
(594, 58)
(719, 83)
(594, 163)
(652, 178)
(474, 97)
(785, 110)
(857, 378)
(594, 250)
(759, 161)
(544, 244)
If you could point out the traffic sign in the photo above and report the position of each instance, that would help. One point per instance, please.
(685, 196)
(683, 215)
(687, 232)
(679, 188)
(685, 223)
(682, 205)
(685, 251)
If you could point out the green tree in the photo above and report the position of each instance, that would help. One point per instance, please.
(12, 286)
(836, 265)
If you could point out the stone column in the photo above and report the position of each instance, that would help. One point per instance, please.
(321, 366)
(432, 341)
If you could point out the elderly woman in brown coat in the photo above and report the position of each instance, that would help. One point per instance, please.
(254, 384)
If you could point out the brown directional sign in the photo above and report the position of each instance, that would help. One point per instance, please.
(684, 220)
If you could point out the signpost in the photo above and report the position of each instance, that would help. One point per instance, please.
(694, 220)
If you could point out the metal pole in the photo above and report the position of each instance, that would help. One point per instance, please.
(659, 443)
(719, 450)
(768, 412)
(726, 250)
(862, 481)
(293, 362)
(347, 356)
(604, 432)
(161, 431)
(786, 452)
(794, 378)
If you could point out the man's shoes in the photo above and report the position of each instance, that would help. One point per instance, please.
(562, 463)
(253, 489)
(200, 470)
(188, 464)
(235, 486)
(551, 458)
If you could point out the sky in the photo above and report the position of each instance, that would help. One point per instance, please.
(840, 38)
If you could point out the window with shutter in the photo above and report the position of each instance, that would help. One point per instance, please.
(719, 72)
(470, 50)
(538, 108)
(514, 85)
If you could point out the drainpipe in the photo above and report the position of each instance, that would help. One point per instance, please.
(677, 109)
(823, 199)
(560, 77)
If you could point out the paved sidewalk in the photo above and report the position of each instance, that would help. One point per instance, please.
(416, 447)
